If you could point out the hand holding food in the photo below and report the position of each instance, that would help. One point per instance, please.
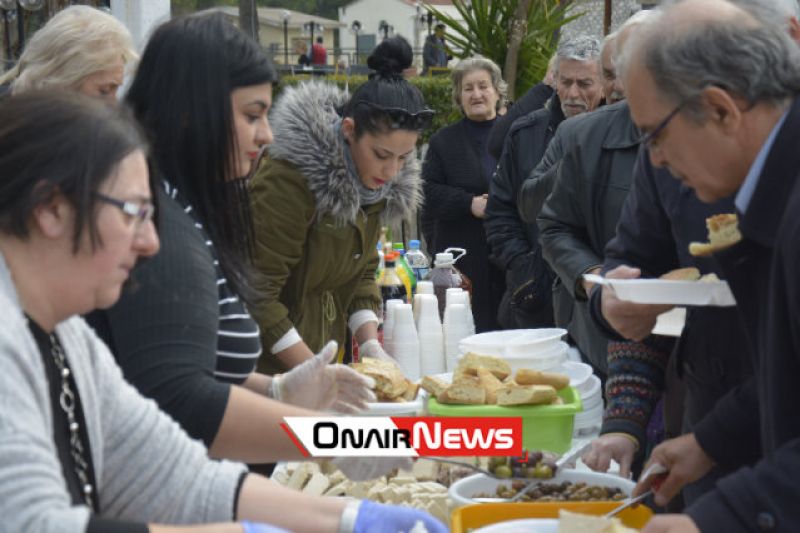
(685, 462)
(317, 384)
(390, 383)
(373, 349)
(631, 320)
(621, 448)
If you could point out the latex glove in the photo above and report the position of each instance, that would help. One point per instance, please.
(611, 446)
(252, 527)
(364, 468)
(317, 384)
(685, 462)
(671, 523)
(369, 517)
(372, 348)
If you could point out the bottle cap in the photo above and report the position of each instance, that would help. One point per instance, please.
(443, 259)
(413, 244)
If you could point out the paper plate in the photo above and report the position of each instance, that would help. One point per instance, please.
(668, 292)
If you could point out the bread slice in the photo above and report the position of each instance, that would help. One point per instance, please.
(471, 362)
(723, 232)
(490, 384)
(390, 383)
(525, 394)
(411, 392)
(527, 376)
(464, 391)
(682, 274)
(434, 386)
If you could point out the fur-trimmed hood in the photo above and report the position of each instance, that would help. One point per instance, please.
(302, 123)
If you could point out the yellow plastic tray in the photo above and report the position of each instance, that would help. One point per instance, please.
(484, 514)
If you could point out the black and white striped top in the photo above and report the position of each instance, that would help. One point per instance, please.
(238, 340)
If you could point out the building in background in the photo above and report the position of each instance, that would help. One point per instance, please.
(297, 29)
(591, 22)
(379, 18)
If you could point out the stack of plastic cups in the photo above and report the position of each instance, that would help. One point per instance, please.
(456, 327)
(405, 342)
(423, 287)
(463, 298)
(431, 337)
(450, 294)
(388, 325)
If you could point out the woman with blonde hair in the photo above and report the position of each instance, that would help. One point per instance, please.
(80, 48)
(457, 170)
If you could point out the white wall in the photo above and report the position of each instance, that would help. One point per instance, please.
(140, 17)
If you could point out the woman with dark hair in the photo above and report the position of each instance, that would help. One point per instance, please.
(339, 169)
(80, 449)
(183, 336)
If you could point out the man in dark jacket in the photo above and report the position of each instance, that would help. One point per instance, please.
(732, 127)
(514, 244)
(434, 52)
(659, 219)
(581, 215)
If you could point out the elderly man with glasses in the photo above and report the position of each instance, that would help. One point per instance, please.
(736, 81)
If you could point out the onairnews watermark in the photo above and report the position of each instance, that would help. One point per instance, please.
(384, 436)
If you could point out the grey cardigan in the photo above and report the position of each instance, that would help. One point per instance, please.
(147, 468)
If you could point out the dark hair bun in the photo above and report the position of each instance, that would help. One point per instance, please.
(391, 57)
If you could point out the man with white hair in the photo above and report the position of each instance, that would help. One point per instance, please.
(715, 90)
(514, 244)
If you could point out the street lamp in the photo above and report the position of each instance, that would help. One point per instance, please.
(355, 27)
(286, 15)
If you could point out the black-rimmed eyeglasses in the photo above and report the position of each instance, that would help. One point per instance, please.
(649, 139)
(402, 118)
(141, 212)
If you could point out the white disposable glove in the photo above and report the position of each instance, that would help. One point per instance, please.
(317, 384)
(372, 348)
(364, 468)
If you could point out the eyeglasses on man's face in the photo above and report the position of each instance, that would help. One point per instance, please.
(140, 212)
(650, 138)
(401, 118)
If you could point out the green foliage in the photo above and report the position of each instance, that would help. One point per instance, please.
(436, 90)
(485, 31)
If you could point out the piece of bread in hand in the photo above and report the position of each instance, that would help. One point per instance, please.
(433, 385)
(464, 391)
(412, 389)
(390, 383)
(527, 376)
(525, 394)
(723, 232)
(471, 362)
(682, 274)
(490, 384)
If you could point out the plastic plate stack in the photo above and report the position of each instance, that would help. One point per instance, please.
(588, 386)
(540, 349)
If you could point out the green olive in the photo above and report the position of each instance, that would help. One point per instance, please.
(503, 471)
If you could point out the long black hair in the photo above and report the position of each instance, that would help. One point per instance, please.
(182, 97)
(59, 142)
(387, 101)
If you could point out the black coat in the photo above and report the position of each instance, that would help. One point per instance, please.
(515, 243)
(763, 273)
(581, 215)
(531, 101)
(453, 175)
(660, 218)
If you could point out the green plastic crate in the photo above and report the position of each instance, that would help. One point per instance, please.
(544, 427)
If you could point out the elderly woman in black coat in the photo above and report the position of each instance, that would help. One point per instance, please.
(456, 171)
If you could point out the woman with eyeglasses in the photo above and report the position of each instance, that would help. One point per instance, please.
(338, 170)
(457, 170)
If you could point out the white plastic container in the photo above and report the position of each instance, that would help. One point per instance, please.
(456, 327)
(405, 342)
(431, 336)
(388, 325)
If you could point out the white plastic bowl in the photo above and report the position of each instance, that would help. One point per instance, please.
(579, 376)
(412, 408)
(552, 362)
(462, 491)
(518, 341)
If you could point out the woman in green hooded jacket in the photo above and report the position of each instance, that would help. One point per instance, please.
(339, 169)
